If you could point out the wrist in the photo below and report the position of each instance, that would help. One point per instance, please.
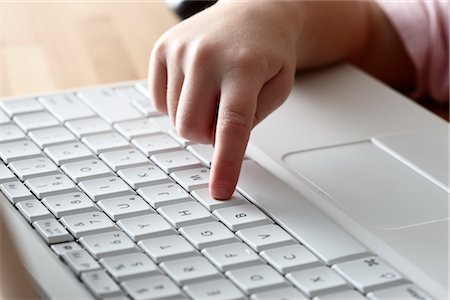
(330, 31)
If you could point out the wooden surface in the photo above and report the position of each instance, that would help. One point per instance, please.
(64, 44)
(47, 46)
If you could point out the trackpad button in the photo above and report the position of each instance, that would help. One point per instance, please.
(371, 186)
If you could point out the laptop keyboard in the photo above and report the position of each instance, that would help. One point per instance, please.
(123, 201)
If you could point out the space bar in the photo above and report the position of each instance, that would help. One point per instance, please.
(295, 214)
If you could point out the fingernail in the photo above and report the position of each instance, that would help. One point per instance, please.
(221, 192)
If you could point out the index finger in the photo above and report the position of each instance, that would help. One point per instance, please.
(235, 119)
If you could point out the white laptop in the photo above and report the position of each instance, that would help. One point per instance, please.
(343, 195)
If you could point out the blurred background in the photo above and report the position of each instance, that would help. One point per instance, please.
(64, 44)
(58, 45)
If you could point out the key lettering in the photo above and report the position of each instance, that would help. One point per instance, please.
(184, 213)
(213, 293)
(264, 236)
(371, 262)
(189, 269)
(316, 279)
(206, 233)
(289, 257)
(256, 278)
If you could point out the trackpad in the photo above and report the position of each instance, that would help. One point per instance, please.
(371, 186)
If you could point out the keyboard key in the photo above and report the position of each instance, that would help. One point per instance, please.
(3, 118)
(67, 153)
(320, 280)
(80, 261)
(189, 270)
(167, 248)
(143, 176)
(232, 256)
(109, 105)
(86, 170)
(121, 159)
(302, 219)
(175, 161)
(368, 274)
(146, 226)
(290, 258)
(131, 93)
(51, 136)
(108, 187)
(192, 179)
(181, 140)
(84, 127)
(256, 278)
(69, 204)
(218, 289)
(130, 265)
(33, 210)
(60, 249)
(207, 235)
(125, 207)
(51, 185)
(184, 214)
(26, 169)
(107, 244)
(164, 194)
(345, 295)
(10, 132)
(15, 191)
(156, 143)
(6, 175)
(241, 216)
(265, 237)
(143, 88)
(100, 284)
(117, 298)
(88, 223)
(408, 291)
(204, 197)
(203, 152)
(20, 106)
(52, 231)
(105, 142)
(66, 107)
(18, 150)
(286, 293)
(136, 128)
(163, 122)
(154, 287)
(145, 107)
(36, 120)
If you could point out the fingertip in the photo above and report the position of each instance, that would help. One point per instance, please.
(221, 191)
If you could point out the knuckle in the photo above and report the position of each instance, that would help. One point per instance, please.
(235, 122)
(177, 49)
(159, 50)
(203, 52)
(193, 131)
(246, 59)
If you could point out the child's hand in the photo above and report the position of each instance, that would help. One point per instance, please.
(218, 74)
(225, 69)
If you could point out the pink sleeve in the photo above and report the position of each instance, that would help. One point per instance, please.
(423, 28)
